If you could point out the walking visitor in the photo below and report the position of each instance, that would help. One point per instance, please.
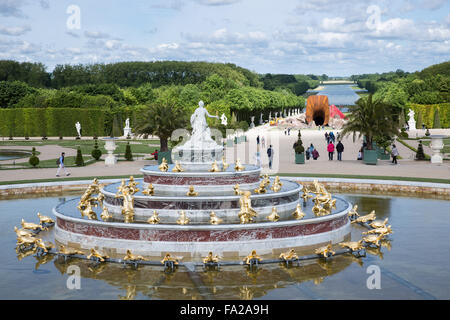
(270, 155)
(61, 165)
(339, 149)
(330, 150)
(315, 154)
(394, 154)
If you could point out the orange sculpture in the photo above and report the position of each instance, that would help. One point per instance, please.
(317, 110)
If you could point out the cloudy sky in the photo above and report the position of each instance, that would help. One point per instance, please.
(338, 38)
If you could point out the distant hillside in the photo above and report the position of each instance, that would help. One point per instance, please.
(435, 69)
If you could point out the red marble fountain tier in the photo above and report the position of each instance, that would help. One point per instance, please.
(204, 178)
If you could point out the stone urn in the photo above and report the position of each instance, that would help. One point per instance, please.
(437, 144)
(110, 146)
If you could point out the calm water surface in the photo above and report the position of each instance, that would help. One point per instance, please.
(414, 264)
(340, 94)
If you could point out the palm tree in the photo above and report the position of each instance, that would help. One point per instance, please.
(371, 118)
(161, 120)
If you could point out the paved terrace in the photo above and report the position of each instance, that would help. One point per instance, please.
(284, 159)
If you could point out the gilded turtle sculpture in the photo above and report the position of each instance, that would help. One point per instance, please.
(368, 217)
(289, 255)
(353, 245)
(213, 219)
(274, 217)
(298, 213)
(252, 257)
(97, 255)
(45, 219)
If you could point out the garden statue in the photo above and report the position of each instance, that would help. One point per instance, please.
(252, 125)
(411, 121)
(78, 127)
(224, 119)
(127, 129)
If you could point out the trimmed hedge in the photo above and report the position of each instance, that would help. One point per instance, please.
(40, 122)
(428, 113)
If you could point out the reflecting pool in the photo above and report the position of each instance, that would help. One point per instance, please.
(340, 95)
(413, 264)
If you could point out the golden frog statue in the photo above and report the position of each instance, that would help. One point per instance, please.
(289, 255)
(276, 186)
(32, 226)
(251, 256)
(325, 251)
(274, 217)
(378, 223)
(87, 197)
(163, 167)
(319, 211)
(105, 215)
(95, 254)
(266, 179)
(298, 213)
(247, 213)
(353, 245)
(126, 193)
(177, 167)
(224, 164)
(182, 220)
(238, 166)
(26, 240)
(168, 258)
(214, 219)
(150, 191)
(131, 257)
(368, 217)
(192, 192)
(236, 189)
(154, 219)
(45, 219)
(353, 213)
(132, 185)
(87, 211)
(330, 204)
(261, 188)
(44, 246)
(69, 252)
(23, 232)
(305, 196)
(214, 167)
(373, 239)
(210, 258)
(382, 231)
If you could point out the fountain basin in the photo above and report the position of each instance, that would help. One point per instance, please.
(114, 238)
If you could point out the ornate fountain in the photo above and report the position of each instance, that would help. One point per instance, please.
(198, 206)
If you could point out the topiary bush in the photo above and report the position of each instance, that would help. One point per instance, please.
(298, 146)
(96, 153)
(128, 154)
(420, 155)
(34, 160)
(79, 161)
(436, 120)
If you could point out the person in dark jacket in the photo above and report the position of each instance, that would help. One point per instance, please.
(315, 154)
(155, 154)
(339, 149)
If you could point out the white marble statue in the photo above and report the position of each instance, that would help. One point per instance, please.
(78, 127)
(411, 121)
(201, 135)
(224, 119)
(127, 129)
(252, 125)
(261, 119)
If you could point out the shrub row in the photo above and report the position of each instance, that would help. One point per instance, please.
(427, 112)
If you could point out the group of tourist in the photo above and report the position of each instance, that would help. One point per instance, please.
(311, 152)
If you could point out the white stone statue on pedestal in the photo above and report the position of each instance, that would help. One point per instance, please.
(224, 119)
(411, 121)
(201, 135)
(252, 125)
(127, 129)
(261, 119)
(78, 127)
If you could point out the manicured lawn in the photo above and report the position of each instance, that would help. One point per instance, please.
(50, 163)
(141, 146)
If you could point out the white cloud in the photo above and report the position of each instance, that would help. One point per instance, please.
(14, 31)
(217, 2)
(433, 4)
(96, 35)
(12, 8)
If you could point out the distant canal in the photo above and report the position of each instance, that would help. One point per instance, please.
(339, 95)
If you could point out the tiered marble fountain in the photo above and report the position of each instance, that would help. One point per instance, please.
(199, 205)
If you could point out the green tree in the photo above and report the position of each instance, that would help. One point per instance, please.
(161, 119)
(96, 152)
(12, 91)
(371, 118)
(436, 120)
(420, 155)
(34, 160)
(128, 154)
(79, 161)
